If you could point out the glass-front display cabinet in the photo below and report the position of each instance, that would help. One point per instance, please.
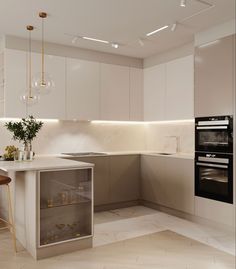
(66, 206)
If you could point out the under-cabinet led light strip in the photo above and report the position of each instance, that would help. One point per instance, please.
(17, 119)
(142, 122)
(110, 121)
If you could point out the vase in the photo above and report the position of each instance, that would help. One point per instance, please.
(28, 153)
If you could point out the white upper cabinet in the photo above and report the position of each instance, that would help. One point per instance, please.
(51, 105)
(154, 93)
(15, 83)
(169, 90)
(180, 89)
(136, 94)
(82, 90)
(115, 92)
(215, 78)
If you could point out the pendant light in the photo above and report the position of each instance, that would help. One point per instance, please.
(30, 96)
(43, 81)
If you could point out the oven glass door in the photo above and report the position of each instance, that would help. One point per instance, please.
(213, 139)
(214, 180)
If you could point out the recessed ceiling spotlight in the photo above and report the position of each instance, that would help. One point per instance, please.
(173, 27)
(157, 30)
(140, 41)
(183, 3)
(115, 45)
(74, 40)
(95, 39)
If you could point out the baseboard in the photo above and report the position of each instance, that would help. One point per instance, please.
(187, 216)
(114, 206)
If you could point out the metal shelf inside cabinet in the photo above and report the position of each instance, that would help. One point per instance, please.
(61, 239)
(84, 201)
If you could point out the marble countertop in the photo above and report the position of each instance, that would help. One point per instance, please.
(42, 163)
(114, 153)
(60, 161)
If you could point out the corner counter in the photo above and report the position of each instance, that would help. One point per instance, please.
(53, 204)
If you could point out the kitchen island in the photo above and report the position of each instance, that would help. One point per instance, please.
(52, 203)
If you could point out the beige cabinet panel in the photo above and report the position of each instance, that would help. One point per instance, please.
(180, 89)
(101, 178)
(15, 83)
(136, 94)
(114, 92)
(83, 89)
(124, 178)
(154, 93)
(53, 104)
(214, 76)
(168, 181)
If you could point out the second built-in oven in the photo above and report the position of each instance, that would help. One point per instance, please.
(214, 176)
(214, 134)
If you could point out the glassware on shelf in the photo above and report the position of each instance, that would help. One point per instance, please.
(64, 197)
(72, 196)
(50, 202)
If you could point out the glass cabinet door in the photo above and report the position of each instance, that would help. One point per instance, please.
(65, 205)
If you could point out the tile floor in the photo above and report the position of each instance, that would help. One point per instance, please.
(135, 221)
(123, 239)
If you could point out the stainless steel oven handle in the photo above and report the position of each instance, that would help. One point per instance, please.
(212, 165)
(211, 158)
(214, 122)
(215, 179)
(212, 127)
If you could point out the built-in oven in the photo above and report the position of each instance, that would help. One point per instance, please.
(214, 176)
(214, 134)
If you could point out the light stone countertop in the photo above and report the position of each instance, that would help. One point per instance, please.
(114, 153)
(42, 163)
(59, 161)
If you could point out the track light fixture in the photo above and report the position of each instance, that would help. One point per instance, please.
(115, 45)
(141, 42)
(74, 39)
(183, 3)
(173, 27)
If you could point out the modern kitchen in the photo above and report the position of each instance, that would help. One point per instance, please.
(117, 134)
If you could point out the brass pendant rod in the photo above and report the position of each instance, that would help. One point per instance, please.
(42, 82)
(30, 28)
(43, 15)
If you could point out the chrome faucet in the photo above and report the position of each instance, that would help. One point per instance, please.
(177, 142)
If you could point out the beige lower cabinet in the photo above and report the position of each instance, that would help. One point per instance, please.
(124, 178)
(116, 178)
(101, 178)
(168, 182)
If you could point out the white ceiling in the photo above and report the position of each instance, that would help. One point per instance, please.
(122, 21)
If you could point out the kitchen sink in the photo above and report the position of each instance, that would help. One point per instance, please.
(79, 154)
(163, 153)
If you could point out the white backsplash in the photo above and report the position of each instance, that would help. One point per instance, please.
(70, 136)
(159, 137)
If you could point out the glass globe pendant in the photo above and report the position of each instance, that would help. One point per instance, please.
(30, 96)
(42, 81)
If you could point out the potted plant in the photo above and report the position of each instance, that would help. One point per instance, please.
(25, 131)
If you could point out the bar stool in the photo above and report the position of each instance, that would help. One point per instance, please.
(4, 181)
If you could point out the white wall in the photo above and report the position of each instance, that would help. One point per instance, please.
(157, 137)
(179, 52)
(69, 136)
(219, 31)
(13, 42)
